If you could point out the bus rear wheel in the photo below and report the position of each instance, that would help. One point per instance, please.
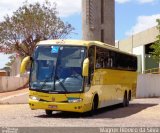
(48, 112)
(129, 96)
(125, 102)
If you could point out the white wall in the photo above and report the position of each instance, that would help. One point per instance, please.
(148, 85)
(11, 83)
(15, 68)
(140, 51)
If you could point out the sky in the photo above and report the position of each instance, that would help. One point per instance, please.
(131, 16)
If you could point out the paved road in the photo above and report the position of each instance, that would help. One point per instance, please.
(140, 113)
(13, 93)
(15, 97)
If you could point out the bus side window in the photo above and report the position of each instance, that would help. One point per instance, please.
(110, 62)
(100, 60)
(99, 63)
(108, 59)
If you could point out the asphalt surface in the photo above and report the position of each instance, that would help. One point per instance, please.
(140, 113)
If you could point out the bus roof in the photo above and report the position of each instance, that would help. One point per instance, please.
(81, 43)
(73, 42)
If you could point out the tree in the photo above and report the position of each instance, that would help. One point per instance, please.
(11, 61)
(156, 45)
(30, 24)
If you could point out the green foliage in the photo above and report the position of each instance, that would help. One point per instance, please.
(156, 45)
(30, 24)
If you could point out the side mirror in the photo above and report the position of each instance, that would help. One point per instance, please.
(24, 63)
(85, 71)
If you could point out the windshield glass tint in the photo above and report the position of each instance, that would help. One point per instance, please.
(57, 68)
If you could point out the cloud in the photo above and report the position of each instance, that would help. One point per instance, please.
(68, 7)
(122, 1)
(143, 23)
(64, 7)
(146, 1)
(139, 1)
(5, 60)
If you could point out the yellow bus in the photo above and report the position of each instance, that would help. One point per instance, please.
(79, 76)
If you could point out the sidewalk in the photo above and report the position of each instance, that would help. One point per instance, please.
(14, 97)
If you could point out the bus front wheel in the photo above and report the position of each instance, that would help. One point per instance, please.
(48, 112)
(94, 105)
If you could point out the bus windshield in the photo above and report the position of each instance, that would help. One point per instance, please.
(57, 69)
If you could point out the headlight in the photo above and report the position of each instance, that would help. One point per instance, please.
(34, 98)
(74, 100)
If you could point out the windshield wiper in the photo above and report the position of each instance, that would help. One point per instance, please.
(64, 88)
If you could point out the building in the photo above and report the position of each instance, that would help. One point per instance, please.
(139, 44)
(98, 20)
(3, 73)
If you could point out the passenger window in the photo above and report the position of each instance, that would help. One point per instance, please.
(104, 58)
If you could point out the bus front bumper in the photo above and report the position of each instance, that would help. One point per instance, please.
(59, 106)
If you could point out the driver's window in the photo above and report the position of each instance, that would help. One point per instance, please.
(91, 56)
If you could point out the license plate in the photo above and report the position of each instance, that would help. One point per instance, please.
(52, 106)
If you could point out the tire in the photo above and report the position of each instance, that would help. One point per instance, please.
(48, 112)
(94, 105)
(125, 102)
(129, 96)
